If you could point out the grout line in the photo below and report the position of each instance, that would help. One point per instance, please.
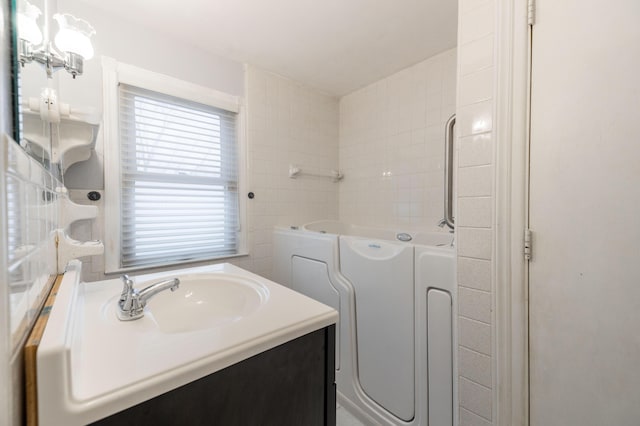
(471, 135)
(484, 68)
(473, 258)
(468, 408)
(476, 227)
(475, 197)
(474, 414)
(474, 351)
(475, 165)
(474, 289)
(472, 319)
(474, 382)
(477, 258)
(466, 347)
(491, 98)
(479, 5)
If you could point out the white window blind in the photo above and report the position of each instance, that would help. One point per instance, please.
(179, 196)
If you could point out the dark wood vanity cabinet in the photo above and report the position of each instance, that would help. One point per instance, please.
(291, 384)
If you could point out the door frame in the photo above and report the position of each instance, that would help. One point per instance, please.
(511, 183)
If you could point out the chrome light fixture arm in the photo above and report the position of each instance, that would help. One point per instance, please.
(72, 41)
(51, 60)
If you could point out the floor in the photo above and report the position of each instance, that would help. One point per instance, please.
(345, 418)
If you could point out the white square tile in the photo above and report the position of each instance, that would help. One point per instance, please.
(434, 73)
(475, 398)
(477, 23)
(474, 273)
(476, 181)
(474, 119)
(18, 162)
(476, 55)
(475, 212)
(476, 87)
(467, 6)
(476, 150)
(467, 418)
(475, 242)
(475, 335)
(475, 366)
(474, 304)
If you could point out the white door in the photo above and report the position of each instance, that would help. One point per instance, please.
(585, 214)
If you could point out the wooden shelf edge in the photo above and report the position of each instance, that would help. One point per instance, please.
(30, 353)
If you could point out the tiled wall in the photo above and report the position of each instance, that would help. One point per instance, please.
(475, 185)
(288, 123)
(31, 214)
(31, 221)
(392, 146)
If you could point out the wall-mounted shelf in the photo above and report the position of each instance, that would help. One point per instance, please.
(69, 212)
(57, 132)
(295, 171)
(69, 249)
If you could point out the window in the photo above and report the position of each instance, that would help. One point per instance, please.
(178, 180)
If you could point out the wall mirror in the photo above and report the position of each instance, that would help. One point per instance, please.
(30, 196)
(46, 47)
(32, 86)
(51, 47)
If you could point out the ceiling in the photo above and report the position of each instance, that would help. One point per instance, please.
(336, 46)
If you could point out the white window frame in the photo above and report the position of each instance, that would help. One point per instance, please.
(114, 73)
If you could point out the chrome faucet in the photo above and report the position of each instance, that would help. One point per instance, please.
(132, 301)
(442, 223)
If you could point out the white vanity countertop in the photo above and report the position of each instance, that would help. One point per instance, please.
(91, 365)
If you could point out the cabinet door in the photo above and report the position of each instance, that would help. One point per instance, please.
(290, 385)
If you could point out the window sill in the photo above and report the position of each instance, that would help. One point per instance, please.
(169, 266)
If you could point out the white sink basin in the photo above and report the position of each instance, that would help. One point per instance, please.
(91, 365)
(203, 301)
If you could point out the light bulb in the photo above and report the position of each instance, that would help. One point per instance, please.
(74, 35)
(27, 22)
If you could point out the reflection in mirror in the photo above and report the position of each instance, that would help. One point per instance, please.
(51, 135)
(31, 220)
(33, 133)
(40, 110)
(16, 249)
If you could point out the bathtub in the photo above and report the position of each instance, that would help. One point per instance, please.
(396, 295)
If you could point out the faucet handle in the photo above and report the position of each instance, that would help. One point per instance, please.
(127, 289)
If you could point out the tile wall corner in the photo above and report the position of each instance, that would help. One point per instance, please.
(392, 146)
(288, 124)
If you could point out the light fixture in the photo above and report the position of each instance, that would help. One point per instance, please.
(72, 39)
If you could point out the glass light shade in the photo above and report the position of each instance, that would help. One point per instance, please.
(27, 22)
(74, 35)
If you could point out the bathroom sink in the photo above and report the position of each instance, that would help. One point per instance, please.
(205, 301)
(91, 365)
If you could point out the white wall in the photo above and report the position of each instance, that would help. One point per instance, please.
(286, 123)
(392, 146)
(129, 42)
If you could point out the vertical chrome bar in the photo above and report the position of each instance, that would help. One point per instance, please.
(448, 172)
